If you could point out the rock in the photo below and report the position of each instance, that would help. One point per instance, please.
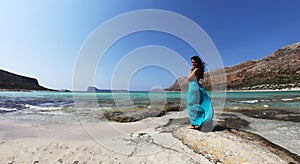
(173, 124)
(136, 114)
(234, 146)
(128, 115)
(272, 114)
(174, 106)
(230, 121)
(228, 142)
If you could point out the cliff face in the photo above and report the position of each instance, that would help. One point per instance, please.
(280, 70)
(10, 81)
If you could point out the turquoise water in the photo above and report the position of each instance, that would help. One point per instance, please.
(266, 100)
(70, 106)
(66, 106)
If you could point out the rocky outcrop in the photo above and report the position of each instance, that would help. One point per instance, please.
(10, 81)
(228, 142)
(234, 146)
(137, 114)
(133, 115)
(280, 70)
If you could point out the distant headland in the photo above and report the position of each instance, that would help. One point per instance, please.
(11, 81)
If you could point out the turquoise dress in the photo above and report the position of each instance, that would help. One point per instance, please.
(198, 104)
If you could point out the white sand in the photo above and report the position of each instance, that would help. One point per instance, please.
(135, 142)
(104, 142)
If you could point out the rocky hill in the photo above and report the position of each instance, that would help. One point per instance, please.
(280, 70)
(179, 85)
(10, 81)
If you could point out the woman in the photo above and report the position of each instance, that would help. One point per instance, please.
(198, 103)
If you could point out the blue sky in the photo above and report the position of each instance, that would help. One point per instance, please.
(42, 39)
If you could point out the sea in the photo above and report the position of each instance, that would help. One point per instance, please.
(45, 107)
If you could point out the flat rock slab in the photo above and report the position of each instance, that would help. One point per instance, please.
(133, 115)
(234, 146)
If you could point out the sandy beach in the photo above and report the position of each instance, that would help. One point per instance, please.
(110, 142)
(163, 139)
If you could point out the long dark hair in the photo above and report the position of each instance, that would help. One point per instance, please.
(201, 66)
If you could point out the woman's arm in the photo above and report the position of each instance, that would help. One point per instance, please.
(192, 74)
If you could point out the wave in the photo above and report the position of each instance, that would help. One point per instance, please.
(6, 110)
(249, 101)
(287, 99)
(43, 108)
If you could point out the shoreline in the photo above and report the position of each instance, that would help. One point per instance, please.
(59, 91)
(263, 90)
